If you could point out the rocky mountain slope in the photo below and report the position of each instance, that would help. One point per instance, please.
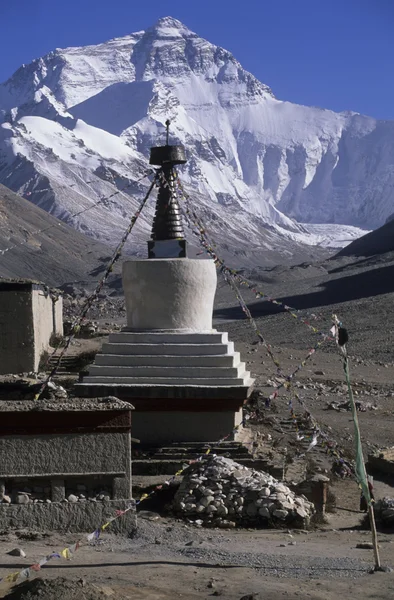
(266, 175)
(58, 255)
(379, 241)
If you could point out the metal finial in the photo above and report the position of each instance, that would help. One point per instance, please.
(168, 238)
(168, 123)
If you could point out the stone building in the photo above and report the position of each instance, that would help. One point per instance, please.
(30, 314)
(65, 465)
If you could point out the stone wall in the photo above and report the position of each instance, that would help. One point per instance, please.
(16, 331)
(77, 455)
(78, 517)
(28, 317)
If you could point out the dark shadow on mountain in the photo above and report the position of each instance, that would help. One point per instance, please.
(354, 287)
(376, 242)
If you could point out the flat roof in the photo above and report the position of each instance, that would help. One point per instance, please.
(109, 403)
(10, 285)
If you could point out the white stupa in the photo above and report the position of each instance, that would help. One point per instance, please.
(184, 378)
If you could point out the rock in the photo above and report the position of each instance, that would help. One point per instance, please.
(387, 513)
(104, 497)
(301, 512)
(227, 524)
(281, 497)
(222, 511)
(280, 513)
(17, 552)
(251, 510)
(206, 501)
(365, 546)
(281, 489)
(22, 498)
(72, 498)
(6, 499)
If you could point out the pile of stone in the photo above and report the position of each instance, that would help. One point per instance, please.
(384, 511)
(41, 494)
(219, 491)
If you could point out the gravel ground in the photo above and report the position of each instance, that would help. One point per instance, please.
(167, 559)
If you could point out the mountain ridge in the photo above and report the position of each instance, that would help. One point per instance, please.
(55, 256)
(255, 162)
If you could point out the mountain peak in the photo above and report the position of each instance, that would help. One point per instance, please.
(170, 27)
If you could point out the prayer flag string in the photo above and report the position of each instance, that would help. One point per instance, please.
(89, 301)
(77, 214)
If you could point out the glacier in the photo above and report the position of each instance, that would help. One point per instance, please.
(268, 177)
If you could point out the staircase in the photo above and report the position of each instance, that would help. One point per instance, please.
(192, 359)
(154, 464)
(69, 364)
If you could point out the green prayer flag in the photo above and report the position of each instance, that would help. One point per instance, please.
(361, 474)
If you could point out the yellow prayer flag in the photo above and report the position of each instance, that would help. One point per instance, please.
(66, 553)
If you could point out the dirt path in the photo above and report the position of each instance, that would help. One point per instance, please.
(171, 560)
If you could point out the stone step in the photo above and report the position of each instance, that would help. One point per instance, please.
(246, 381)
(132, 337)
(197, 449)
(169, 349)
(230, 360)
(157, 467)
(184, 456)
(189, 372)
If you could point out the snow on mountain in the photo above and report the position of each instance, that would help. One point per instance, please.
(267, 175)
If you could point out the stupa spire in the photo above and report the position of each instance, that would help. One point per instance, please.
(167, 238)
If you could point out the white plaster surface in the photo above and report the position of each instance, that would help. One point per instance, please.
(47, 320)
(28, 318)
(175, 359)
(169, 294)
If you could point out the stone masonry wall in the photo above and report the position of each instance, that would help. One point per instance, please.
(78, 517)
(66, 454)
(16, 331)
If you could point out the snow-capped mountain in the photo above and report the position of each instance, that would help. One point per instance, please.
(266, 174)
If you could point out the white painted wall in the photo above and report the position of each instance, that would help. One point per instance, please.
(169, 293)
(28, 318)
(47, 319)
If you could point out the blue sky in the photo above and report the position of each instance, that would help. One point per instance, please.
(336, 54)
